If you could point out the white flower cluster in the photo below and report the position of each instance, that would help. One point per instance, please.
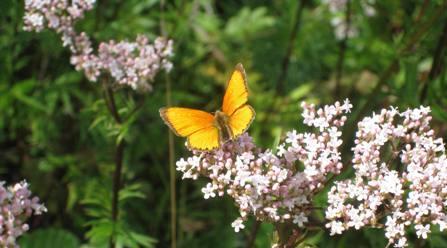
(337, 9)
(134, 64)
(59, 15)
(16, 206)
(276, 187)
(400, 178)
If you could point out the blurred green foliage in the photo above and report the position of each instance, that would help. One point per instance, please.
(56, 133)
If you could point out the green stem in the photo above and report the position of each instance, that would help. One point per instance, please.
(438, 61)
(342, 51)
(290, 45)
(119, 155)
(172, 178)
(285, 64)
(253, 234)
(288, 235)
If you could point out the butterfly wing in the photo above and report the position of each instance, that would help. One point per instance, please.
(204, 139)
(234, 103)
(197, 125)
(236, 94)
(241, 119)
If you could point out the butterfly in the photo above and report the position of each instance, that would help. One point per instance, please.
(205, 131)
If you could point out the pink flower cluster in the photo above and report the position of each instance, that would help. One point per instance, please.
(400, 178)
(134, 64)
(337, 9)
(274, 186)
(16, 206)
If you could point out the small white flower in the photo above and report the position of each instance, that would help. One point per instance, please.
(238, 225)
(209, 191)
(422, 231)
(35, 20)
(300, 219)
(336, 227)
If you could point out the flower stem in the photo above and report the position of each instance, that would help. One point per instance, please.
(280, 81)
(172, 178)
(438, 61)
(290, 45)
(253, 234)
(119, 154)
(288, 235)
(342, 51)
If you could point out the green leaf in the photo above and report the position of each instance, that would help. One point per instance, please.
(409, 91)
(301, 91)
(439, 113)
(130, 192)
(49, 238)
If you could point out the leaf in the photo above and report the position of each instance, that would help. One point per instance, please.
(409, 91)
(301, 91)
(33, 103)
(248, 23)
(439, 113)
(130, 192)
(277, 134)
(49, 238)
(100, 232)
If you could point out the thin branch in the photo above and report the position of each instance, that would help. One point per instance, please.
(139, 105)
(119, 154)
(110, 100)
(342, 51)
(253, 234)
(291, 44)
(285, 61)
(293, 239)
(422, 11)
(172, 177)
(437, 63)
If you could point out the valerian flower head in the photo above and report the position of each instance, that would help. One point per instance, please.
(16, 206)
(337, 10)
(133, 64)
(400, 177)
(269, 185)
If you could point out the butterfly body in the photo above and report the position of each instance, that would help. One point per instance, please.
(205, 131)
(221, 122)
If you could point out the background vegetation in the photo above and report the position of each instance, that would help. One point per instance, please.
(56, 133)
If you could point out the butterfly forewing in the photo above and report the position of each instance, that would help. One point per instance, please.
(185, 121)
(236, 94)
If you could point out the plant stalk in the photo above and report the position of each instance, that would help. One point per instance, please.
(437, 63)
(172, 177)
(119, 155)
(342, 51)
(290, 45)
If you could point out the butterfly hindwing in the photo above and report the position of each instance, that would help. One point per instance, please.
(241, 119)
(236, 94)
(185, 121)
(204, 139)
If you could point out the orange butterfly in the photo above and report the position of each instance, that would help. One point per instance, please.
(205, 131)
